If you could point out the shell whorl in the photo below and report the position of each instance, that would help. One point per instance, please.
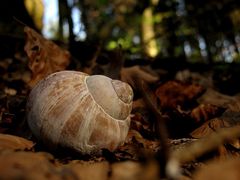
(123, 91)
(113, 96)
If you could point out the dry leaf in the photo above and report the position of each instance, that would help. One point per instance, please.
(27, 165)
(173, 93)
(135, 137)
(220, 170)
(235, 105)
(141, 125)
(14, 143)
(204, 112)
(88, 171)
(200, 147)
(126, 170)
(45, 57)
(215, 98)
(203, 79)
(138, 103)
(209, 127)
(130, 170)
(129, 74)
(228, 119)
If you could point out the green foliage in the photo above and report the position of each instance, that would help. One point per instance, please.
(210, 27)
(102, 2)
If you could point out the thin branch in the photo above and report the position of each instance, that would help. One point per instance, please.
(19, 21)
(161, 130)
(199, 148)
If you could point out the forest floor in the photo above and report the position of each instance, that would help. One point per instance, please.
(184, 121)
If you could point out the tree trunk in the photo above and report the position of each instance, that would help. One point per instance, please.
(148, 33)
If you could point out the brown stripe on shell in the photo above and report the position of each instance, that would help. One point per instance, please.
(108, 132)
(71, 127)
(85, 113)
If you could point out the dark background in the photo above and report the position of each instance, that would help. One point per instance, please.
(173, 34)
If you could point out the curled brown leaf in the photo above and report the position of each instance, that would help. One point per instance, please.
(175, 93)
(204, 112)
(221, 170)
(12, 142)
(45, 57)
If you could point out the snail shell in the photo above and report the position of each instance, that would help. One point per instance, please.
(75, 110)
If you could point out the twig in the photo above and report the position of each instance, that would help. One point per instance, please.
(198, 148)
(19, 21)
(161, 130)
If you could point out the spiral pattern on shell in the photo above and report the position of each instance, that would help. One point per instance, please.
(82, 112)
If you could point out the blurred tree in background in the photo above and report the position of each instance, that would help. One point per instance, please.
(197, 31)
(193, 31)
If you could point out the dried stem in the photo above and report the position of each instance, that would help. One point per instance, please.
(199, 148)
(19, 21)
(161, 130)
(116, 63)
